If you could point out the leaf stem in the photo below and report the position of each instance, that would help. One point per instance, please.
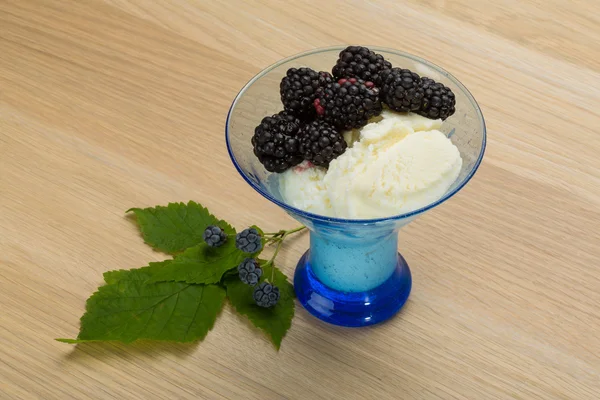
(271, 240)
(281, 232)
(298, 229)
(279, 237)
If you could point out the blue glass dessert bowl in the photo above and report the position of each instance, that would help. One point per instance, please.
(352, 274)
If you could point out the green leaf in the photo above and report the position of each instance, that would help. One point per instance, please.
(128, 309)
(138, 274)
(260, 231)
(274, 321)
(176, 227)
(200, 264)
(73, 341)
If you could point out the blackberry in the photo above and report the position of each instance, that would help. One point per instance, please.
(275, 142)
(249, 271)
(248, 241)
(438, 101)
(348, 103)
(266, 295)
(401, 90)
(214, 236)
(360, 62)
(320, 143)
(298, 90)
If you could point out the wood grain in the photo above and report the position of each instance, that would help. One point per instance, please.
(105, 105)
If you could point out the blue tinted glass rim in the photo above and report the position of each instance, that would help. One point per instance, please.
(312, 216)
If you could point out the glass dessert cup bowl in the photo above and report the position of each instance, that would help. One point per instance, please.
(352, 274)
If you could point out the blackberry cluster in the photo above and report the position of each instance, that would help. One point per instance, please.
(320, 143)
(214, 236)
(360, 62)
(248, 241)
(298, 90)
(348, 103)
(402, 90)
(266, 295)
(318, 106)
(438, 100)
(275, 142)
(249, 271)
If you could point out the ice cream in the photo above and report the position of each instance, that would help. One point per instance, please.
(400, 163)
(303, 187)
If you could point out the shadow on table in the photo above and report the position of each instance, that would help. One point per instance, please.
(140, 349)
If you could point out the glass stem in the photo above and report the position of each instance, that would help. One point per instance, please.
(353, 263)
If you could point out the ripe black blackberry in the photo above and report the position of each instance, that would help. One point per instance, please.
(320, 143)
(360, 62)
(249, 271)
(266, 295)
(438, 100)
(275, 142)
(348, 103)
(248, 241)
(214, 236)
(298, 90)
(401, 90)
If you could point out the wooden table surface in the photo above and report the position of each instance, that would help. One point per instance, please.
(106, 105)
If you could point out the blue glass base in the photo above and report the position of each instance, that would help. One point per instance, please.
(352, 309)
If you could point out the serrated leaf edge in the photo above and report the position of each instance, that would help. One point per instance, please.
(79, 341)
(190, 203)
(271, 339)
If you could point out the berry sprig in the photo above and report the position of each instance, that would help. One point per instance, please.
(267, 294)
(248, 240)
(180, 298)
(249, 270)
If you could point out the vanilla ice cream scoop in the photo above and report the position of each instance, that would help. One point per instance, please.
(398, 164)
(302, 187)
(374, 182)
